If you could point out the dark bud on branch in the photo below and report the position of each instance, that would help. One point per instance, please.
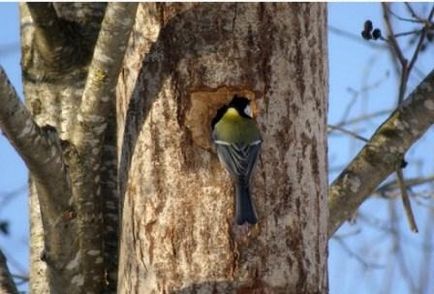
(366, 35)
(369, 32)
(367, 29)
(376, 34)
(368, 26)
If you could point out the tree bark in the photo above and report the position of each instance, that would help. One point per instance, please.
(183, 62)
(66, 74)
(7, 284)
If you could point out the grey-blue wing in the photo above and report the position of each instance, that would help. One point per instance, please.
(238, 159)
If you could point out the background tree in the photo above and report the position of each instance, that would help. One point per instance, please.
(378, 244)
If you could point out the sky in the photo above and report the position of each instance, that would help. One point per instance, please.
(362, 80)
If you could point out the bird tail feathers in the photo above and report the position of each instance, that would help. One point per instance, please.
(244, 206)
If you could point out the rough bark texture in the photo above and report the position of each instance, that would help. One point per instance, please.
(38, 267)
(183, 62)
(58, 42)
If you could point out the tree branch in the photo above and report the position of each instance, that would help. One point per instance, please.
(391, 35)
(7, 284)
(345, 131)
(48, 25)
(58, 41)
(103, 75)
(421, 40)
(382, 154)
(392, 185)
(38, 147)
(97, 106)
(406, 201)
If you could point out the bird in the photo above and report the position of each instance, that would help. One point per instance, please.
(237, 140)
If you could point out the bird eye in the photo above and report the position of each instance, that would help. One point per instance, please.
(248, 111)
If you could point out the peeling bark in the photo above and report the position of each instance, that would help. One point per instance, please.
(177, 199)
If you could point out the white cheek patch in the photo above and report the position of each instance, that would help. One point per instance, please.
(248, 111)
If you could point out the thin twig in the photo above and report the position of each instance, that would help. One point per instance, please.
(406, 201)
(421, 40)
(403, 18)
(413, 32)
(353, 254)
(398, 250)
(412, 12)
(392, 185)
(396, 49)
(345, 131)
(392, 41)
(363, 118)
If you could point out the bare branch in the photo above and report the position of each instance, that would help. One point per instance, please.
(396, 50)
(398, 250)
(103, 74)
(363, 118)
(58, 41)
(391, 35)
(390, 186)
(97, 106)
(366, 264)
(7, 284)
(345, 131)
(421, 40)
(406, 201)
(38, 147)
(414, 20)
(412, 12)
(47, 24)
(380, 156)
(412, 32)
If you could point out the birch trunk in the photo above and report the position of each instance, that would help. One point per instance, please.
(183, 62)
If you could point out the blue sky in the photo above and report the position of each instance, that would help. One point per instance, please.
(354, 65)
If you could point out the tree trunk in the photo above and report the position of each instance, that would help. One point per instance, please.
(183, 62)
(54, 79)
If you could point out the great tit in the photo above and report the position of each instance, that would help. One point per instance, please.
(238, 141)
